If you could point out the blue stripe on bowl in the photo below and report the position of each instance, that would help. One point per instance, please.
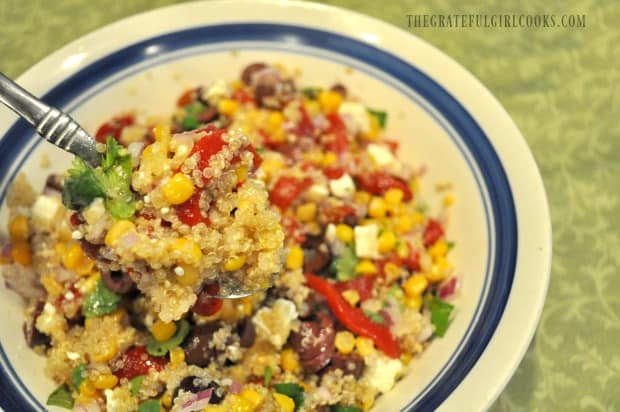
(437, 101)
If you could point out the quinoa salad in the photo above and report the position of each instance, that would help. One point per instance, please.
(296, 192)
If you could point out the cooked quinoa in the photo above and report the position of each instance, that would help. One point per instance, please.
(248, 179)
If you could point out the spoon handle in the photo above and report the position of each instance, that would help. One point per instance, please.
(51, 123)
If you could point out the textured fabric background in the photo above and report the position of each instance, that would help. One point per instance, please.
(561, 87)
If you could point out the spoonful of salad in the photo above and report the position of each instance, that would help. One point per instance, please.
(182, 215)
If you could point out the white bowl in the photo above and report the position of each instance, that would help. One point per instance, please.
(442, 116)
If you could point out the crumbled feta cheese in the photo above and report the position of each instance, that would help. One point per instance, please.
(330, 233)
(179, 271)
(317, 191)
(45, 211)
(343, 187)
(94, 212)
(366, 241)
(76, 235)
(164, 210)
(381, 155)
(215, 92)
(381, 372)
(274, 324)
(73, 355)
(355, 117)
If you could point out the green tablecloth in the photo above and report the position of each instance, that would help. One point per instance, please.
(561, 87)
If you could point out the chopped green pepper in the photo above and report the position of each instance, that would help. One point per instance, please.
(78, 374)
(440, 314)
(155, 348)
(381, 117)
(100, 301)
(149, 406)
(293, 391)
(267, 377)
(135, 383)
(312, 92)
(61, 397)
(190, 123)
(344, 265)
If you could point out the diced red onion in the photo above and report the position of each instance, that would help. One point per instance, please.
(128, 240)
(135, 150)
(235, 387)
(320, 122)
(448, 288)
(198, 402)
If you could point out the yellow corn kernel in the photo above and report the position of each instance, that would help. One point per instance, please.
(439, 270)
(285, 403)
(271, 166)
(147, 153)
(368, 400)
(289, 360)
(166, 400)
(402, 250)
(295, 258)
(75, 259)
(414, 185)
(162, 331)
(161, 132)
(187, 249)
(448, 200)
(329, 159)
(215, 408)
(87, 388)
(51, 285)
(351, 296)
(243, 307)
(393, 196)
(405, 358)
(415, 285)
(275, 120)
(417, 218)
(19, 228)
(330, 101)
(344, 342)
(387, 241)
(366, 267)
(404, 223)
(239, 404)
(312, 107)
(177, 356)
(105, 381)
(118, 229)
(344, 233)
(252, 396)
(306, 212)
(242, 173)
(189, 277)
(392, 271)
(21, 253)
(364, 346)
(361, 198)
(414, 302)
(227, 106)
(178, 189)
(105, 351)
(373, 131)
(377, 207)
(234, 263)
(438, 250)
(90, 283)
(398, 210)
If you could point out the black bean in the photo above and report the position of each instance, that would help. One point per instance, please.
(91, 250)
(339, 88)
(196, 345)
(54, 182)
(314, 342)
(31, 333)
(247, 333)
(117, 281)
(312, 241)
(248, 72)
(350, 220)
(349, 364)
(317, 260)
(190, 384)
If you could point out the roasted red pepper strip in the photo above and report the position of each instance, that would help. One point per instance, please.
(362, 285)
(353, 318)
(136, 361)
(432, 232)
(113, 128)
(287, 189)
(377, 183)
(337, 128)
(189, 212)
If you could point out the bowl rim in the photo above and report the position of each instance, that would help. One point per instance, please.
(33, 79)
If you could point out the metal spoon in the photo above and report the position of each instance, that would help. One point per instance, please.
(62, 130)
(52, 124)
